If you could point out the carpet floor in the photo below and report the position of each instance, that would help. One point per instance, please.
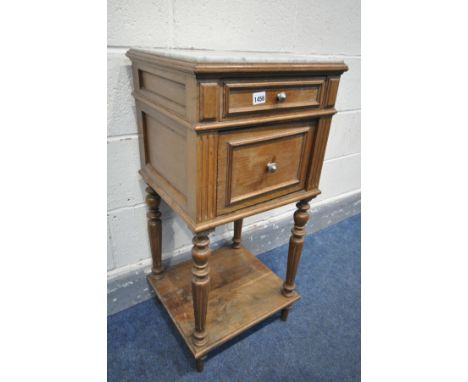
(319, 342)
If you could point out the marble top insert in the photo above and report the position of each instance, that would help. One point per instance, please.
(237, 57)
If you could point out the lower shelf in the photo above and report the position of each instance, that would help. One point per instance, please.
(243, 292)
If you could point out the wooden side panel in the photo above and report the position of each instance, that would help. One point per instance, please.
(163, 87)
(140, 122)
(209, 101)
(165, 151)
(332, 91)
(320, 144)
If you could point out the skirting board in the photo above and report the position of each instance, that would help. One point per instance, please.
(131, 288)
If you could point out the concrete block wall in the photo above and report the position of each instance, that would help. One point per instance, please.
(318, 27)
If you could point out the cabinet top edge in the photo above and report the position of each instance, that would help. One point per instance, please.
(210, 61)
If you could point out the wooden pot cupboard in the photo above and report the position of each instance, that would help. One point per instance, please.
(223, 136)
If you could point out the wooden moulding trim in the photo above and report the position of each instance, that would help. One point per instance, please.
(150, 58)
(145, 101)
(274, 84)
(263, 191)
(263, 120)
(256, 209)
(272, 136)
(207, 155)
(334, 67)
(209, 101)
(320, 144)
(246, 109)
(332, 91)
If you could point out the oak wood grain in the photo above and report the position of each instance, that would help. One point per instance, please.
(200, 287)
(153, 201)
(236, 239)
(299, 93)
(243, 156)
(332, 91)
(209, 101)
(243, 292)
(296, 243)
(208, 152)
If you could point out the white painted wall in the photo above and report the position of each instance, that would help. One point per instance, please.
(319, 27)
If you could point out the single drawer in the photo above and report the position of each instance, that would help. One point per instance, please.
(259, 164)
(253, 97)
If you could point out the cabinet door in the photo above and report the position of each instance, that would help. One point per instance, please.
(259, 164)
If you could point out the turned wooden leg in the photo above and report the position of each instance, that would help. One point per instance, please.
(236, 240)
(301, 216)
(154, 229)
(200, 285)
(285, 312)
(200, 363)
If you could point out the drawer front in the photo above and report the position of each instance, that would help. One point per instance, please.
(260, 164)
(254, 97)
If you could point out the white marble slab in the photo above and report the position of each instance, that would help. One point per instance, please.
(235, 57)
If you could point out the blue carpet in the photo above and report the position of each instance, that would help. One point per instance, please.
(319, 342)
